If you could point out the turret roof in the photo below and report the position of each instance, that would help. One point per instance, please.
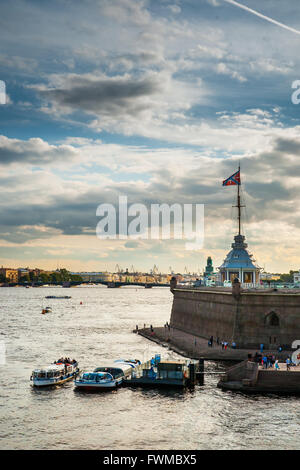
(239, 257)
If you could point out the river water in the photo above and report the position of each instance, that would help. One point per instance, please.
(101, 328)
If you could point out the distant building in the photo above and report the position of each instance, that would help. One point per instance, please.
(10, 274)
(269, 277)
(297, 277)
(209, 268)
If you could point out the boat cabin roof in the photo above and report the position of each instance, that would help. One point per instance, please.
(128, 362)
(118, 367)
(52, 367)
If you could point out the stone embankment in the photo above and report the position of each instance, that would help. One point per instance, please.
(197, 347)
(250, 377)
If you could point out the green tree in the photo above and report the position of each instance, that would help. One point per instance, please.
(288, 277)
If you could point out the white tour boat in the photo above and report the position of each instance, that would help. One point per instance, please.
(96, 381)
(107, 376)
(54, 374)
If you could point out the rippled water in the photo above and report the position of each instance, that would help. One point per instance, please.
(101, 328)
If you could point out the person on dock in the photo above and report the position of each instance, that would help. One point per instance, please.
(277, 365)
(288, 363)
(270, 360)
(265, 362)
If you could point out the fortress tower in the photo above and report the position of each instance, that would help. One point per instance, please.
(239, 263)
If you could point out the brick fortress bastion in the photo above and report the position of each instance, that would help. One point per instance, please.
(247, 317)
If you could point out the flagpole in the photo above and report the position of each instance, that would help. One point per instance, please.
(239, 205)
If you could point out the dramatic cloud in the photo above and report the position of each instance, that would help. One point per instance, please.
(103, 96)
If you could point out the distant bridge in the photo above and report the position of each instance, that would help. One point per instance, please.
(115, 284)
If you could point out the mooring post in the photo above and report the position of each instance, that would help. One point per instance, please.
(201, 371)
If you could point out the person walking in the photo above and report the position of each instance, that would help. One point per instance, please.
(265, 362)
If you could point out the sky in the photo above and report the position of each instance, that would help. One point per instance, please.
(158, 101)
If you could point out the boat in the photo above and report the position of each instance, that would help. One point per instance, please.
(46, 310)
(54, 374)
(108, 376)
(58, 297)
(96, 381)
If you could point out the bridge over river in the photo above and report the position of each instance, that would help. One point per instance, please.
(147, 285)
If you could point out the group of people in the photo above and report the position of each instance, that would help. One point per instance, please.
(267, 361)
(224, 344)
(65, 360)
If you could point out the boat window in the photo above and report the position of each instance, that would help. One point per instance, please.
(163, 374)
(173, 374)
(89, 376)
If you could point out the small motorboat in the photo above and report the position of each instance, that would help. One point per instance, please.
(46, 310)
(54, 374)
(96, 381)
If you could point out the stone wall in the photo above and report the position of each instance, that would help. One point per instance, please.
(252, 318)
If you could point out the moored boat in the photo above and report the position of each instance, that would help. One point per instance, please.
(107, 376)
(96, 381)
(54, 374)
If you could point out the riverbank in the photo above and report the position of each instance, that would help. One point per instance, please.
(197, 347)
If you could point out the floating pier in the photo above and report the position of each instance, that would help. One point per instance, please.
(161, 373)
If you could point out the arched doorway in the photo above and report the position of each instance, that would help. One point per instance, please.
(272, 329)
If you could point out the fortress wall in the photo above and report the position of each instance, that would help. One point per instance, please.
(203, 313)
(218, 313)
(252, 328)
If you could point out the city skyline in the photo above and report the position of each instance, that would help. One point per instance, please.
(158, 101)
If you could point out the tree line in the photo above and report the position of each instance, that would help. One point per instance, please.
(57, 277)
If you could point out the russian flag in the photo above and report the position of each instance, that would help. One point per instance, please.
(233, 179)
